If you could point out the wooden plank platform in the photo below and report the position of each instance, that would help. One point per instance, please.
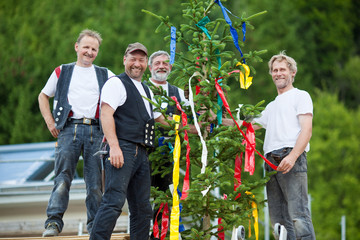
(115, 236)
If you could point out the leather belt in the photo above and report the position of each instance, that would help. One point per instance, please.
(86, 121)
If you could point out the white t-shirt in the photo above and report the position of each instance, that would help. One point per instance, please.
(166, 88)
(114, 94)
(280, 119)
(83, 93)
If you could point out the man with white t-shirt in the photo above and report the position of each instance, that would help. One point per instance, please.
(125, 118)
(288, 123)
(75, 123)
(128, 124)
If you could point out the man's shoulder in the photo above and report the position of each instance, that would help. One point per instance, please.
(301, 93)
(122, 75)
(99, 67)
(297, 90)
(114, 82)
(68, 64)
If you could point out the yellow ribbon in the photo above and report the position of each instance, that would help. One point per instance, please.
(256, 217)
(245, 81)
(175, 212)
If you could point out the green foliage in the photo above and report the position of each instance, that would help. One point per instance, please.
(333, 168)
(37, 36)
(349, 82)
(199, 54)
(323, 37)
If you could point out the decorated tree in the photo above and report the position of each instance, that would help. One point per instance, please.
(209, 199)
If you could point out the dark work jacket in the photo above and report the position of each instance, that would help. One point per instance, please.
(63, 108)
(173, 92)
(171, 109)
(131, 117)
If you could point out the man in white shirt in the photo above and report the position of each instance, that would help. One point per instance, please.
(75, 123)
(126, 119)
(288, 124)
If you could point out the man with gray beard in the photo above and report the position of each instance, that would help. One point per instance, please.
(160, 67)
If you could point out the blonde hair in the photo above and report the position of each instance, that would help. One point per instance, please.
(90, 33)
(283, 57)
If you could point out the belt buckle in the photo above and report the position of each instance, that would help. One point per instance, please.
(277, 159)
(87, 121)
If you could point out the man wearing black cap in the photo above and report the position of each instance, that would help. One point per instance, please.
(127, 120)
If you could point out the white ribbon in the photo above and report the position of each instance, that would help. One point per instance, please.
(204, 149)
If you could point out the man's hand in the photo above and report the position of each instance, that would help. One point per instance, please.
(116, 157)
(52, 129)
(303, 139)
(108, 124)
(286, 164)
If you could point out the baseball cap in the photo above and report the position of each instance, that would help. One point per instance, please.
(136, 46)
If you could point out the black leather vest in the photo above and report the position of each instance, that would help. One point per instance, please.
(131, 117)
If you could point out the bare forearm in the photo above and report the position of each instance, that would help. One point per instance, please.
(45, 108)
(304, 136)
(301, 143)
(108, 126)
(303, 139)
(46, 113)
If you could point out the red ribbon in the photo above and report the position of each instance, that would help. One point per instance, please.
(165, 222)
(221, 94)
(156, 227)
(237, 174)
(186, 184)
(221, 235)
(249, 148)
(197, 89)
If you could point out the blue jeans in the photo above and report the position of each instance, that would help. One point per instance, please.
(132, 181)
(288, 200)
(74, 140)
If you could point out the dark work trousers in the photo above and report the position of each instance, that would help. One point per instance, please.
(131, 182)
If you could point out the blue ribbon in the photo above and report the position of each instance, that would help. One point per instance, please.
(220, 103)
(181, 226)
(232, 29)
(171, 147)
(244, 30)
(172, 45)
(161, 141)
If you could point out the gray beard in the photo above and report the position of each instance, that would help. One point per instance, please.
(160, 77)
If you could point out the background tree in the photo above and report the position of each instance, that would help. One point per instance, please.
(323, 36)
(200, 53)
(333, 175)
